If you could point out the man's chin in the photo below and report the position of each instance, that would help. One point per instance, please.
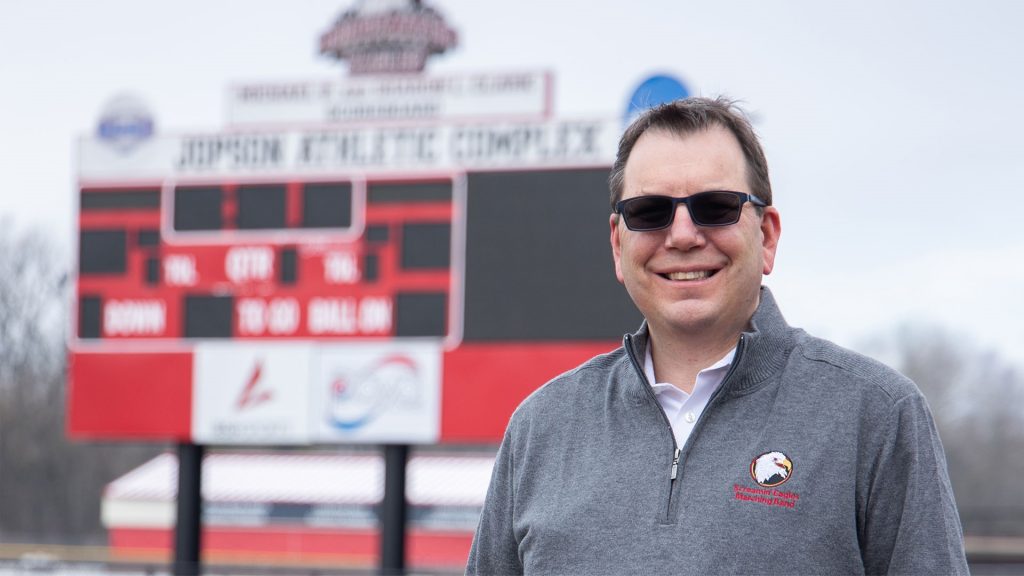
(686, 318)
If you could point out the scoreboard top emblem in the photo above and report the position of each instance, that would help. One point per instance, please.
(387, 36)
(125, 122)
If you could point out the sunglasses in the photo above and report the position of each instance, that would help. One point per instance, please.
(714, 208)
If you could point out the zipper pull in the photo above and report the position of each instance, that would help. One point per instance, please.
(675, 464)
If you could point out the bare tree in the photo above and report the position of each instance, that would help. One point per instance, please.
(977, 399)
(50, 488)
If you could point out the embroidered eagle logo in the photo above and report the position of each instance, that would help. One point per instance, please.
(771, 469)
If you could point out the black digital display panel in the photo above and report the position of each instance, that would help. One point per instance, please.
(327, 205)
(152, 271)
(371, 268)
(198, 208)
(148, 238)
(102, 252)
(119, 200)
(377, 234)
(421, 314)
(209, 316)
(426, 246)
(289, 269)
(90, 316)
(538, 260)
(409, 192)
(261, 207)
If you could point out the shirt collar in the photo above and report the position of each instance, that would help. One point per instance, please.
(716, 371)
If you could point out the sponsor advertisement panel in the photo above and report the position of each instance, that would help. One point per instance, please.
(378, 393)
(251, 393)
(285, 393)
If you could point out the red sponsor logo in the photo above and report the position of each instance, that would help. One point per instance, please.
(251, 395)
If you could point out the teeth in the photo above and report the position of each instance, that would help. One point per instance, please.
(689, 275)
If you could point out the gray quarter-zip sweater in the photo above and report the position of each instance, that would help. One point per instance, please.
(809, 459)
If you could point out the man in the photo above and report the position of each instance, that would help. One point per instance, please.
(717, 439)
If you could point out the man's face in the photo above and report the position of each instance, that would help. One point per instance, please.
(689, 280)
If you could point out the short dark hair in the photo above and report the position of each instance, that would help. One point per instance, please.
(689, 115)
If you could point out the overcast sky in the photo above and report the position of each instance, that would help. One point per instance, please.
(893, 129)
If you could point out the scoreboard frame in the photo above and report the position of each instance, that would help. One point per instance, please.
(274, 389)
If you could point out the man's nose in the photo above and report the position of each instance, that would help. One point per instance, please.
(683, 234)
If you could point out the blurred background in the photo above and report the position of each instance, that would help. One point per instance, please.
(892, 132)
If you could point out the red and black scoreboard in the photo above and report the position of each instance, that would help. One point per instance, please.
(343, 283)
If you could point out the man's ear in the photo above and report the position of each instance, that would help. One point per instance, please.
(771, 229)
(613, 223)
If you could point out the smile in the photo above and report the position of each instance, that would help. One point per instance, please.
(689, 276)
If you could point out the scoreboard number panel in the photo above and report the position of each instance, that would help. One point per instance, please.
(296, 259)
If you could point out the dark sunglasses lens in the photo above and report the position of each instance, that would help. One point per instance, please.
(715, 208)
(647, 213)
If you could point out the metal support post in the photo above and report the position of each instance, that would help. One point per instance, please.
(187, 543)
(393, 511)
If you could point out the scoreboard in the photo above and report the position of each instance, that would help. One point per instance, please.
(407, 284)
(282, 259)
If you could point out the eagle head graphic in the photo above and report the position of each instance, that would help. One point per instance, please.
(771, 469)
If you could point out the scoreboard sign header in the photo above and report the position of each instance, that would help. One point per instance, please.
(357, 149)
(523, 95)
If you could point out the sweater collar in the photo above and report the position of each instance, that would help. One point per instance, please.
(766, 345)
(763, 349)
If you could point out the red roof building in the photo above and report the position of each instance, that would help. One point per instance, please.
(300, 508)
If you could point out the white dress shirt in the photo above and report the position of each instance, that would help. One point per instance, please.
(684, 409)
